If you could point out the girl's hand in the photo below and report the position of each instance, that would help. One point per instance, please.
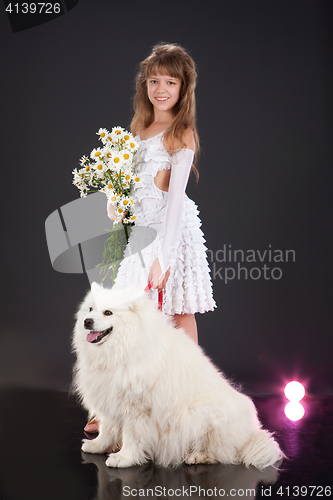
(112, 215)
(111, 210)
(155, 275)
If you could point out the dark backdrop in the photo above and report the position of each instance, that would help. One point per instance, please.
(264, 100)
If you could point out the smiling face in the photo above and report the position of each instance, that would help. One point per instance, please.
(163, 91)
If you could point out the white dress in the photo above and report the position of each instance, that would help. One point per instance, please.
(189, 287)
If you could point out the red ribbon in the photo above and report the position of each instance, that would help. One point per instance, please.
(160, 295)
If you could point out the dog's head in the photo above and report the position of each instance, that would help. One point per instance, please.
(107, 313)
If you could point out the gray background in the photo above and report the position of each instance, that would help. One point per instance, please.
(264, 101)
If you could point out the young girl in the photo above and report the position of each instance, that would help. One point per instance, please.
(164, 124)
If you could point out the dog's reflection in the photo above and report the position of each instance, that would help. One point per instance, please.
(194, 481)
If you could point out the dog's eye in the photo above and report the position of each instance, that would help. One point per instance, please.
(90, 309)
(108, 313)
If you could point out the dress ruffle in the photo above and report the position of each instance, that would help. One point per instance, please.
(189, 287)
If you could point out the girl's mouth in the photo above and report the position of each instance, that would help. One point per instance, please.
(161, 99)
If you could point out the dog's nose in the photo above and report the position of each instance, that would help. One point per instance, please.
(88, 323)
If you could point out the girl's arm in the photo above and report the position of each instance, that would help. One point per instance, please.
(181, 166)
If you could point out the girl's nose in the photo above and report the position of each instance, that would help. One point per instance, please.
(160, 87)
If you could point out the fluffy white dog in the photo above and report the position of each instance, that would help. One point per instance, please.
(154, 391)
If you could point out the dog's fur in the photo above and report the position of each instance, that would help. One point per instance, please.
(154, 391)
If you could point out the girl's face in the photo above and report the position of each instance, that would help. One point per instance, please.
(163, 91)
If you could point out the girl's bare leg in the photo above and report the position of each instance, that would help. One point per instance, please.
(188, 323)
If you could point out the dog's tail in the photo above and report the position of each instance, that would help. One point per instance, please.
(261, 451)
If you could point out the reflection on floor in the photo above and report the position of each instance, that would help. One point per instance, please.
(40, 459)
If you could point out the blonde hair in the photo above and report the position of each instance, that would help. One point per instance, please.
(173, 60)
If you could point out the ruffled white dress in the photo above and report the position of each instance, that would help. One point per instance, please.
(189, 287)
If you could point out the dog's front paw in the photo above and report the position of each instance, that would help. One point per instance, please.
(91, 446)
(119, 460)
(197, 457)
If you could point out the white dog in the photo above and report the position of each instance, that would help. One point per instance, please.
(155, 393)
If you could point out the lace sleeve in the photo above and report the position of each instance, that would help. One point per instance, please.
(180, 171)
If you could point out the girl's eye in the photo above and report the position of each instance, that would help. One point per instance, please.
(172, 83)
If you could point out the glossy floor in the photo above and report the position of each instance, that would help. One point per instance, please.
(40, 457)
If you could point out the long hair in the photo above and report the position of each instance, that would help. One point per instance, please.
(173, 60)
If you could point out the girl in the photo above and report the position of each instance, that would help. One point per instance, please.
(164, 124)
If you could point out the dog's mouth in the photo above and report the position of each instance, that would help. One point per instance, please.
(95, 337)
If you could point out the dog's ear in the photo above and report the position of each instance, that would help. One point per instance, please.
(95, 287)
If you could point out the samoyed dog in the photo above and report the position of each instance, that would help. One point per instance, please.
(155, 393)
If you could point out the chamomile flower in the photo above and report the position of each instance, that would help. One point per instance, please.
(132, 144)
(83, 160)
(137, 180)
(117, 133)
(109, 190)
(103, 133)
(119, 213)
(125, 202)
(99, 168)
(96, 153)
(116, 160)
(110, 170)
(126, 180)
(118, 130)
(115, 198)
(109, 139)
(108, 152)
(83, 192)
(127, 137)
(84, 171)
(78, 177)
(128, 157)
(78, 181)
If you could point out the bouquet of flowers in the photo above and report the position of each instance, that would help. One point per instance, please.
(110, 170)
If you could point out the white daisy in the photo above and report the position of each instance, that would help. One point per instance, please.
(117, 160)
(96, 153)
(99, 169)
(109, 139)
(108, 151)
(127, 137)
(132, 144)
(83, 160)
(115, 198)
(78, 176)
(103, 133)
(117, 133)
(127, 157)
(127, 177)
(84, 172)
(125, 202)
(109, 190)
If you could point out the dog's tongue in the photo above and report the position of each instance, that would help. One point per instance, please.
(92, 336)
